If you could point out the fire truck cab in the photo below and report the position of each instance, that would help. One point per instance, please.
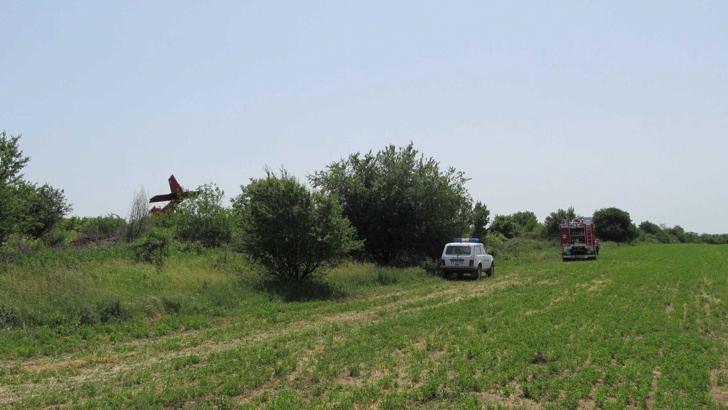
(578, 239)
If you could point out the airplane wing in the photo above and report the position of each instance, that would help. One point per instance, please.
(165, 197)
(176, 195)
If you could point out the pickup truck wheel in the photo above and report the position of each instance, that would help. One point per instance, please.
(478, 272)
(491, 270)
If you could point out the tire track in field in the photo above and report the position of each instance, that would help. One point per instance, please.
(102, 365)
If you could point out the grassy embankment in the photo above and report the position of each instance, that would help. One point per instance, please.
(643, 326)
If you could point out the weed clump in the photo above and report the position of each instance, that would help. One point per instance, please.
(153, 248)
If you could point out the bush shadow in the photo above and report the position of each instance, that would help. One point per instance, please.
(300, 291)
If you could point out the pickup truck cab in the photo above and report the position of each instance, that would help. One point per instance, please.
(466, 255)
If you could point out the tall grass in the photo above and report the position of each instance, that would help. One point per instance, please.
(88, 286)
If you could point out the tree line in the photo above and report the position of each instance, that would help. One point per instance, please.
(394, 207)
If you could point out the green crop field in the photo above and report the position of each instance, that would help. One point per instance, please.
(642, 327)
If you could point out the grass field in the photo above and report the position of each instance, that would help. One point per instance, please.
(642, 327)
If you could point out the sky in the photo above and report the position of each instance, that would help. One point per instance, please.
(543, 105)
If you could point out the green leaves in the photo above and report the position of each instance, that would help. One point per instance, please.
(11, 160)
(551, 223)
(294, 233)
(614, 224)
(400, 202)
(203, 219)
(25, 208)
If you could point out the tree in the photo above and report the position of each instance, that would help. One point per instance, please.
(402, 205)
(504, 225)
(551, 223)
(650, 228)
(651, 232)
(614, 224)
(43, 209)
(480, 218)
(12, 162)
(294, 233)
(526, 222)
(678, 232)
(203, 218)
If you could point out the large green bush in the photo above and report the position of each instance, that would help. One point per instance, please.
(614, 224)
(43, 208)
(294, 233)
(402, 205)
(153, 247)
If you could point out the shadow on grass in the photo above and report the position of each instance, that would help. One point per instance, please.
(300, 291)
(455, 278)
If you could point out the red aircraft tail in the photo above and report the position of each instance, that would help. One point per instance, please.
(176, 195)
(174, 187)
(175, 192)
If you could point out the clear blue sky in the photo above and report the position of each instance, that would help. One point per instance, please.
(544, 105)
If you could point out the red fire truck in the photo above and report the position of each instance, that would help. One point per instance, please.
(578, 239)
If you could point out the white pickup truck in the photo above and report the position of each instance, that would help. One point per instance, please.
(466, 255)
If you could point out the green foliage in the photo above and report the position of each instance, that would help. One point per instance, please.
(12, 162)
(153, 247)
(480, 220)
(714, 239)
(613, 224)
(504, 225)
(526, 222)
(95, 228)
(518, 224)
(25, 208)
(294, 233)
(650, 228)
(43, 208)
(653, 233)
(494, 242)
(401, 204)
(678, 232)
(203, 219)
(551, 223)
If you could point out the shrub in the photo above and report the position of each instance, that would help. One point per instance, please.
(152, 248)
(402, 205)
(614, 224)
(294, 233)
